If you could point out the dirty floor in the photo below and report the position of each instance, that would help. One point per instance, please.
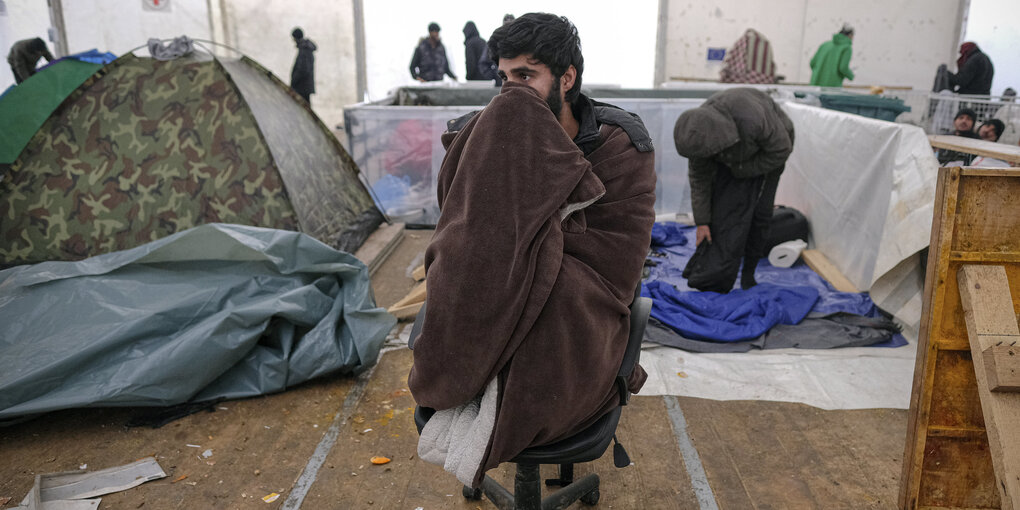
(312, 445)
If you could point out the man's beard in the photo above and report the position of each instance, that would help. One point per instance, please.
(553, 99)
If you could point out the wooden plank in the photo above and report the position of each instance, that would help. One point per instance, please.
(1002, 364)
(419, 273)
(990, 172)
(917, 424)
(379, 245)
(824, 267)
(417, 295)
(406, 312)
(1000, 151)
(988, 311)
(978, 256)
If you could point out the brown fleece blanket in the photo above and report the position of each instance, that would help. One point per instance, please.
(517, 292)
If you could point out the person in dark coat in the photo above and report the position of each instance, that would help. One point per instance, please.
(974, 71)
(548, 201)
(963, 125)
(429, 62)
(486, 66)
(737, 144)
(302, 76)
(474, 45)
(24, 55)
(991, 130)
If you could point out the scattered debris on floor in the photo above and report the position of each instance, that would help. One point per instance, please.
(79, 491)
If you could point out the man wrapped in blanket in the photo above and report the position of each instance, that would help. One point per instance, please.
(546, 202)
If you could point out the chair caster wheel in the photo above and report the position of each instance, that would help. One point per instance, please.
(592, 498)
(476, 494)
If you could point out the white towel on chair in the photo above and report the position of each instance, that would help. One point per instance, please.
(456, 438)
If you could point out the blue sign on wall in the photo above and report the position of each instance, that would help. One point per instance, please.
(716, 53)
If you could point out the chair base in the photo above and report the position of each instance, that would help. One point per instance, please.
(527, 493)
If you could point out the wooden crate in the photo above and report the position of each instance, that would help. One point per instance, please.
(946, 463)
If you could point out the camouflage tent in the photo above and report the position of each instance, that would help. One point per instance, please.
(146, 148)
(25, 108)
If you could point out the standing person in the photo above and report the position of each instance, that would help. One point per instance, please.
(974, 71)
(749, 60)
(302, 76)
(831, 63)
(474, 46)
(486, 67)
(429, 62)
(737, 144)
(24, 55)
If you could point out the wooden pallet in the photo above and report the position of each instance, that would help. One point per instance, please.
(947, 461)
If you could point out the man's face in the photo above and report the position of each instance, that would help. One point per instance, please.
(525, 70)
(434, 35)
(987, 132)
(963, 123)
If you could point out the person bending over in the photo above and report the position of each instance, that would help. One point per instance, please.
(737, 144)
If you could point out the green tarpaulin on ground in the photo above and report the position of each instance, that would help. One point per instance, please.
(215, 311)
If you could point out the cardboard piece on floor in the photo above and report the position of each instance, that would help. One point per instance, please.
(988, 312)
(817, 261)
(419, 273)
(67, 490)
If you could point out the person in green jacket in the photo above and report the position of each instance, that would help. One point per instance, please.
(831, 63)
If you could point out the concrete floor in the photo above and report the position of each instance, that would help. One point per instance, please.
(687, 452)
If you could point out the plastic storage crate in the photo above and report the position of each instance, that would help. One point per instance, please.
(875, 107)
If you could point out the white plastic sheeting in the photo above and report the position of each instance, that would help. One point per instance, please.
(868, 188)
(853, 378)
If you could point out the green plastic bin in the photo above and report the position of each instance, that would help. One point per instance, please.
(875, 107)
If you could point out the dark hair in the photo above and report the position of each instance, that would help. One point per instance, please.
(298, 33)
(550, 39)
(968, 112)
(997, 125)
(433, 27)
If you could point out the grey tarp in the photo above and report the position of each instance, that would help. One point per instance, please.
(215, 311)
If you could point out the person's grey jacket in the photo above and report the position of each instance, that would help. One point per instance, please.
(742, 129)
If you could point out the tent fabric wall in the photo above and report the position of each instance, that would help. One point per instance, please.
(147, 148)
(25, 108)
(868, 188)
(329, 196)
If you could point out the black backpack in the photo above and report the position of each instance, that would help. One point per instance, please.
(787, 224)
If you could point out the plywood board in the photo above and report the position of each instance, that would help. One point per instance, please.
(988, 312)
(946, 462)
(1000, 151)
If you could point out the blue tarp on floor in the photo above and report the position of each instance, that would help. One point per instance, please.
(703, 315)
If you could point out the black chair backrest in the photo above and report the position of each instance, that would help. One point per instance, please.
(640, 308)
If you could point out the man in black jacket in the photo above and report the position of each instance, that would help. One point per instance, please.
(963, 125)
(474, 46)
(429, 62)
(737, 144)
(302, 76)
(974, 71)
